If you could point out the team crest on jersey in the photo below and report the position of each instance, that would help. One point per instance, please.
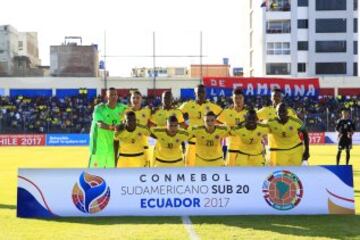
(217, 137)
(177, 140)
(143, 115)
(139, 134)
(207, 108)
(291, 128)
(259, 134)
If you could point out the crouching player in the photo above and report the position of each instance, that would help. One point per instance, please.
(168, 148)
(251, 134)
(131, 135)
(209, 142)
(286, 147)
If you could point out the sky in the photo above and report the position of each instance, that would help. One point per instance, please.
(129, 26)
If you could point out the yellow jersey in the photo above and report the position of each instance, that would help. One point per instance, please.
(250, 140)
(209, 145)
(284, 136)
(269, 112)
(161, 115)
(230, 117)
(196, 112)
(132, 142)
(168, 148)
(143, 115)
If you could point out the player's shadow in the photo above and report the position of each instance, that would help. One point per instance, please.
(5, 206)
(340, 227)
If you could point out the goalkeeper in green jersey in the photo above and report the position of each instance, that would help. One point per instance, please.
(103, 148)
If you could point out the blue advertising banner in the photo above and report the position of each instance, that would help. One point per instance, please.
(67, 139)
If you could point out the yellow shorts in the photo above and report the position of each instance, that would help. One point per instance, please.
(231, 157)
(245, 160)
(190, 153)
(131, 161)
(292, 157)
(168, 163)
(201, 162)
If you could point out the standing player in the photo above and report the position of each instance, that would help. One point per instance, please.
(160, 116)
(194, 112)
(130, 134)
(286, 147)
(269, 112)
(250, 147)
(345, 128)
(103, 148)
(168, 150)
(143, 115)
(231, 117)
(209, 138)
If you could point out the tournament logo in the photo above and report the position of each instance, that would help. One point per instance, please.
(91, 194)
(283, 190)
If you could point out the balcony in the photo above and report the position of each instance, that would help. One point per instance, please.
(276, 27)
(279, 6)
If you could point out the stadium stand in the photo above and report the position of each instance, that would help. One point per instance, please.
(73, 114)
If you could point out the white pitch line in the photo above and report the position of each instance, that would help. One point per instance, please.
(189, 228)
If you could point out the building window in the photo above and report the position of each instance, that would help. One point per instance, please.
(278, 68)
(301, 67)
(355, 72)
(278, 48)
(331, 25)
(330, 46)
(303, 45)
(330, 5)
(251, 59)
(251, 17)
(331, 68)
(355, 5)
(303, 3)
(20, 45)
(355, 25)
(303, 23)
(282, 26)
(355, 47)
(251, 40)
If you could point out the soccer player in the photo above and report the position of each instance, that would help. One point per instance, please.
(345, 128)
(209, 138)
(194, 112)
(103, 148)
(269, 112)
(143, 115)
(250, 147)
(231, 117)
(286, 147)
(168, 150)
(130, 134)
(160, 117)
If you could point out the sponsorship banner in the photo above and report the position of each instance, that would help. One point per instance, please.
(67, 139)
(332, 138)
(185, 191)
(317, 138)
(223, 86)
(22, 140)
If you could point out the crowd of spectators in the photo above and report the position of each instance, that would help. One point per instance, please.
(74, 114)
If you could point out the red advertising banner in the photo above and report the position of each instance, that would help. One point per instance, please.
(263, 86)
(22, 140)
(317, 138)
